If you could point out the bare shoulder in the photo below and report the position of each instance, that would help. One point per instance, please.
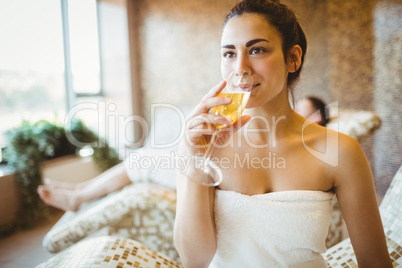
(353, 166)
(348, 147)
(340, 155)
(323, 144)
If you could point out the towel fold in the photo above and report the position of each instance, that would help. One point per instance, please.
(279, 229)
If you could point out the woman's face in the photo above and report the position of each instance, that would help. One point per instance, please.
(250, 43)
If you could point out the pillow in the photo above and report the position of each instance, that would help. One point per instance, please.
(148, 165)
(354, 123)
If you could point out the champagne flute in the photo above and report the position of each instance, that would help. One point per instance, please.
(202, 169)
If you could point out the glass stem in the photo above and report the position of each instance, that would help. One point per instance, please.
(211, 147)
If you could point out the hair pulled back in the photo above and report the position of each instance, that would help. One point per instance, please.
(319, 104)
(284, 21)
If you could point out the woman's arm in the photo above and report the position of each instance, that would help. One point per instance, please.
(354, 187)
(194, 231)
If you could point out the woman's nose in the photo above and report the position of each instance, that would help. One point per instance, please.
(243, 65)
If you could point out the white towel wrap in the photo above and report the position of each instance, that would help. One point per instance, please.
(278, 229)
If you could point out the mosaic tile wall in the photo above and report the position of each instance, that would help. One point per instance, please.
(180, 57)
(315, 78)
(351, 43)
(365, 55)
(388, 90)
(180, 49)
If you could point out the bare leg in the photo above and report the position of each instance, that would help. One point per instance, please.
(61, 199)
(70, 199)
(68, 185)
(62, 185)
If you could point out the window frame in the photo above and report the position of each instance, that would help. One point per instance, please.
(71, 95)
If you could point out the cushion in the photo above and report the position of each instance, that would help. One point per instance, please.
(150, 208)
(342, 254)
(355, 123)
(109, 251)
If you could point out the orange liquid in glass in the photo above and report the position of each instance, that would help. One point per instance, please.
(234, 109)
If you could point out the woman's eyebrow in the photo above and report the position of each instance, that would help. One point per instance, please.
(228, 46)
(249, 43)
(254, 41)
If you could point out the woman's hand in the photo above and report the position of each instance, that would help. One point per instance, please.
(201, 124)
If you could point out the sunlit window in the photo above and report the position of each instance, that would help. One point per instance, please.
(45, 64)
(84, 46)
(32, 84)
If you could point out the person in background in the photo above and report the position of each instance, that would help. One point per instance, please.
(69, 196)
(314, 109)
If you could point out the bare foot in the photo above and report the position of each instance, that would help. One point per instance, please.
(60, 184)
(59, 198)
(66, 185)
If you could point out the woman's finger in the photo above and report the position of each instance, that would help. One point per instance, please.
(201, 122)
(198, 136)
(208, 120)
(207, 104)
(215, 90)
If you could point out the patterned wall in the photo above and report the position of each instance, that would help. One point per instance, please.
(351, 45)
(315, 79)
(180, 61)
(365, 55)
(388, 90)
(181, 49)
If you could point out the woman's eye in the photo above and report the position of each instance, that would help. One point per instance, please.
(229, 55)
(256, 50)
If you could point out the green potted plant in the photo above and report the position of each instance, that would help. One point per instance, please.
(29, 145)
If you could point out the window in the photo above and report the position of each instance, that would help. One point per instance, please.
(49, 55)
(31, 62)
(83, 45)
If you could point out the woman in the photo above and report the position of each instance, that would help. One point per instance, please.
(272, 215)
(69, 196)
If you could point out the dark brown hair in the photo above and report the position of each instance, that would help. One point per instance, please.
(284, 20)
(319, 104)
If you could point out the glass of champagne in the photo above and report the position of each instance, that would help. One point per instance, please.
(202, 169)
